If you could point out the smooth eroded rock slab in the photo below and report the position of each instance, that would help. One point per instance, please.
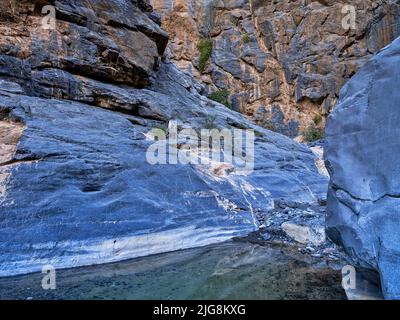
(362, 156)
(81, 192)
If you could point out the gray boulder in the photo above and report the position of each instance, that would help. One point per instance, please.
(362, 152)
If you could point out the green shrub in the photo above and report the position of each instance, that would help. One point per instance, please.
(246, 38)
(205, 47)
(317, 119)
(313, 133)
(235, 21)
(221, 96)
(268, 124)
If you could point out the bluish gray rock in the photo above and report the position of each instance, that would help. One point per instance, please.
(80, 190)
(362, 148)
(75, 185)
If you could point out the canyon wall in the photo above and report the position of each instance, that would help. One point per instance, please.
(362, 148)
(80, 96)
(283, 63)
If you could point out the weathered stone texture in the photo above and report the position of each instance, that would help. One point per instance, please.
(290, 55)
(78, 188)
(362, 157)
(105, 40)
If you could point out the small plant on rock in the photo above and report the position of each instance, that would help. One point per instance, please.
(246, 38)
(221, 96)
(317, 119)
(268, 124)
(205, 47)
(313, 133)
(235, 21)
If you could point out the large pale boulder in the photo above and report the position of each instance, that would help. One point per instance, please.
(362, 157)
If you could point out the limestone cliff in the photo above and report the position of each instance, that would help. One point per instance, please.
(282, 62)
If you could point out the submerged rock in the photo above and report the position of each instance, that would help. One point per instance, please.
(362, 157)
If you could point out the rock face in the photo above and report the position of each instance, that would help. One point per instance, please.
(362, 157)
(111, 41)
(283, 62)
(77, 186)
(10, 134)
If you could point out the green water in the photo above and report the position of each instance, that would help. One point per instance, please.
(226, 271)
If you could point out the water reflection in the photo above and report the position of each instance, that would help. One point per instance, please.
(226, 271)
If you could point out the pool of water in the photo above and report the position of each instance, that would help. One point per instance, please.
(234, 270)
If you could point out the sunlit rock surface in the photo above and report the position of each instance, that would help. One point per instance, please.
(78, 188)
(81, 191)
(283, 62)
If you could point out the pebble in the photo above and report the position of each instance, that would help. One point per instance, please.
(266, 236)
(329, 251)
(309, 214)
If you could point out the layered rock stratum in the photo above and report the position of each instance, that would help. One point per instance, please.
(282, 62)
(80, 99)
(362, 157)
